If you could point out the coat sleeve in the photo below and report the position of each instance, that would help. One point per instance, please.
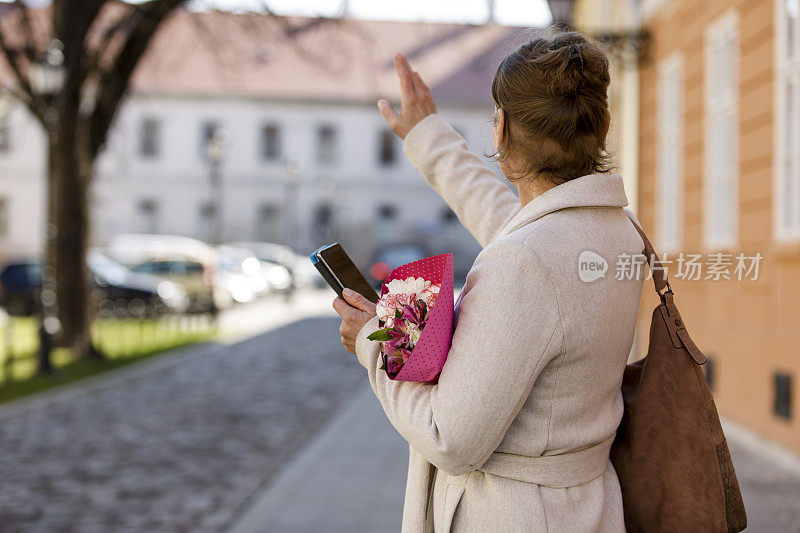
(508, 328)
(482, 202)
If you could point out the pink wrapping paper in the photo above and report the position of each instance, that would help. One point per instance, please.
(429, 355)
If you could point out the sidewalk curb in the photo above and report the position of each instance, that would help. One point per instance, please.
(276, 506)
(254, 512)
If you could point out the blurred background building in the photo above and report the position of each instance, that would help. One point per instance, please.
(234, 132)
(714, 144)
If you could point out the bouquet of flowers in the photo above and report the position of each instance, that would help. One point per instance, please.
(415, 313)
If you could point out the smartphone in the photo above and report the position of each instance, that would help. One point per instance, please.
(339, 271)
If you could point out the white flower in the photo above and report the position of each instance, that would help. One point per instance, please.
(413, 333)
(402, 292)
(408, 285)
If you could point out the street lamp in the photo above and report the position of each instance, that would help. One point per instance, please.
(561, 11)
(216, 149)
(629, 46)
(291, 181)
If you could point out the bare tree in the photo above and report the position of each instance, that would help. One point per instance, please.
(93, 46)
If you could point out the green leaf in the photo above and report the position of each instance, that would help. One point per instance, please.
(398, 313)
(380, 335)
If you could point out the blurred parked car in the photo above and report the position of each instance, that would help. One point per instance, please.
(241, 274)
(115, 282)
(181, 260)
(21, 281)
(389, 257)
(19, 287)
(301, 272)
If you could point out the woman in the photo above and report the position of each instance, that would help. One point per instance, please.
(516, 434)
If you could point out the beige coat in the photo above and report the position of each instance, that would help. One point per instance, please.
(515, 436)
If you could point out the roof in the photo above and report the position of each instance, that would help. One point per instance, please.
(254, 55)
(218, 53)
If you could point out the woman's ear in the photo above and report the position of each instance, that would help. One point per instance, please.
(498, 129)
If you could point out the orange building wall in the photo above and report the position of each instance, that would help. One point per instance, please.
(751, 329)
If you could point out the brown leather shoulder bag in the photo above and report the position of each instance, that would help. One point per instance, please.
(670, 453)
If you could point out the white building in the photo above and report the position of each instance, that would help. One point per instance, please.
(309, 158)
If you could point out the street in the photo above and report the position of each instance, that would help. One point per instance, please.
(179, 445)
(274, 432)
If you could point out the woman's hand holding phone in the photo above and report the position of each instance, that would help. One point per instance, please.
(416, 101)
(355, 311)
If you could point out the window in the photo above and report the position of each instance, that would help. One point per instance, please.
(721, 135)
(387, 149)
(670, 153)
(4, 216)
(787, 157)
(323, 223)
(147, 211)
(149, 138)
(326, 144)
(270, 147)
(208, 131)
(783, 395)
(387, 212)
(268, 222)
(5, 134)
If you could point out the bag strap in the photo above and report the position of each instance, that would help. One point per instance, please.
(659, 272)
(677, 329)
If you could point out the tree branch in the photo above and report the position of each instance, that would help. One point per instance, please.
(27, 27)
(25, 92)
(16, 94)
(115, 80)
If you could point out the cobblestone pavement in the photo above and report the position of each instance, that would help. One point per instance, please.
(181, 448)
(769, 477)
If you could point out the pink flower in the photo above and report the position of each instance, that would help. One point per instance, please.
(400, 338)
(415, 312)
(393, 364)
(395, 360)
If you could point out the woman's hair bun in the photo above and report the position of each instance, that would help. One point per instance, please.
(555, 86)
(576, 65)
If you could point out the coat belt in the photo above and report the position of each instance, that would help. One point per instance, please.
(558, 471)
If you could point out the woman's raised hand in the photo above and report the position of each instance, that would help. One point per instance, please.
(416, 101)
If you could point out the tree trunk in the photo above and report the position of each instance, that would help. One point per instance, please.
(46, 305)
(74, 168)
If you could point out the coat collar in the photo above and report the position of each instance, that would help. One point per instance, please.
(592, 190)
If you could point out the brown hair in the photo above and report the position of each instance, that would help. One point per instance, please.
(553, 92)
